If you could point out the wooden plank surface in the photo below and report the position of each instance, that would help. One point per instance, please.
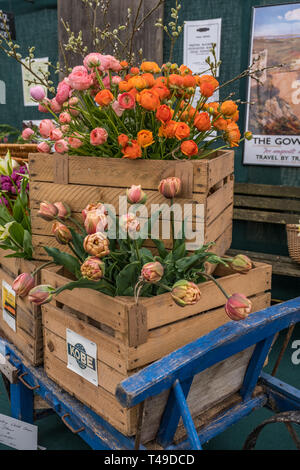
(267, 190)
(272, 203)
(218, 201)
(264, 216)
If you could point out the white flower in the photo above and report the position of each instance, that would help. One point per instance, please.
(7, 165)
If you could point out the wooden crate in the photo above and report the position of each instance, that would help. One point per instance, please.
(28, 337)
(128, 338)
(82, 180)
(18, 152)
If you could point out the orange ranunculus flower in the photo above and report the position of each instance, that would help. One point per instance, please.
(104, 97)
(124, 86)
(134, 93)
(207, 89)
(124, 64)
(145, 138)
(220, 124)
(123, 140)
(161, 81)
(150, 80)
(207, 78)
(162, 91)
(189, 148)
(132, 151)
(164, 113)
(151, 67)
(202, 122)
(183, 69)
(228, 108)
(175, 80)
(137, 82)
(232, 134)
(212, 108)
(189, 81)
(235, 116)
(134, 71)
(182, 130)
(168, 130)
(149, 100)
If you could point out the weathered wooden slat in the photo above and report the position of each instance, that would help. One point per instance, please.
(267, 190)
(263, 216)
(276, 204)
(281, 265)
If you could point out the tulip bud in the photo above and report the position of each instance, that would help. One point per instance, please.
(61, 233)
(135, 195)
(96, 244)
(23, 284)
(40, 295)
(238, 307)
(185, 293)
(47, 211)
(152, 272)
(99, 207)
(170, 187)
(95, 222)
(64, 210)
(93, 268)
(241, 264)
(248, 135)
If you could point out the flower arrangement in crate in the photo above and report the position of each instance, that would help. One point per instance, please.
(121, 265)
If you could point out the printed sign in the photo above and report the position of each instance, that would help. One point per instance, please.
(7, 25)
(273, 112)
(9, 305)
(18, 434)
(39, 66)
(82, 356)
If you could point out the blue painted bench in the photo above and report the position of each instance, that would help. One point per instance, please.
(171, 378)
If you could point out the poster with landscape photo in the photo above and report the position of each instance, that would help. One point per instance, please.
(273, 109)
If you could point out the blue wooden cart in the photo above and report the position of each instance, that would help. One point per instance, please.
(172, 377)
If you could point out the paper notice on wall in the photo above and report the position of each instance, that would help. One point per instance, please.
(39, 66)
(82, 356)
(9, 305)
(18, 434)
(198, 39)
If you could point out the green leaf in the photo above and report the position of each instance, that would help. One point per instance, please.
(77, 240)
(27, 243)
(179, 251)
(18, 212)
(163, 252)
(101, 286)
(5, 215)
(64, 259)
(16, 232)
(127, 279)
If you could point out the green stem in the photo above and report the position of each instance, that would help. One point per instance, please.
(137, 250)
(164, 286)
(41, 267)
(216, 282)
(75, 253)
(77, 224)
(172, 224)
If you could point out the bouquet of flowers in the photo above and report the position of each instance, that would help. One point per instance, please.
(121, 265)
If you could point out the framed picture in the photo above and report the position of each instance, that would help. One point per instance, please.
(273, 109)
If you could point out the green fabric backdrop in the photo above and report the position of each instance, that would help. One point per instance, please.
(36, 25)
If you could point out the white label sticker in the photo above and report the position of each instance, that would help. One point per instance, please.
(18, 434)
(9, 305)
(82, 356)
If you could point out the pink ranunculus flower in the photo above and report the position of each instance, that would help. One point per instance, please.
(108, 62)
(79, 78)
(106, 81)
(62, 92)
(45, 127)
(98, 136)
(61, 146)
(42, 106)
(55, 106)
(116, 79)
(37, 93)
(64, 118)
(56, 134)
(65, 128)
(92, 60)
(27, 133)
(74, 112)
(43, 147)
(74, 142)
(126, 100)
(73, 101)
(117, 108)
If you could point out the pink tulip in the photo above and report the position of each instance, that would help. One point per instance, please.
(43, 147)
(185, 293)
(126, 101)
(98, 136)
(99, 207)
(61, 146)
(40, 295)
(135, 195)
(56, 134)
(61, 233)
(23, 284)
(64, 210)
(27, 133)
(170, 187)
(152, 272)
(238, 307)
(45, 127)
(63, 92)
(93, 268)
(129, 223)
(37, 93)
(95, 222)
(47, 211)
